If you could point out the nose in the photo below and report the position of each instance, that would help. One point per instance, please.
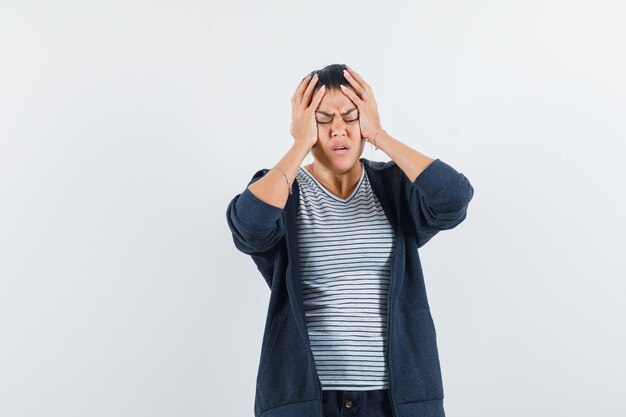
(338, 127)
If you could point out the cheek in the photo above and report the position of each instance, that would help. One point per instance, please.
(356, 128)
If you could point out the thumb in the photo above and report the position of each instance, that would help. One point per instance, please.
(318, 97)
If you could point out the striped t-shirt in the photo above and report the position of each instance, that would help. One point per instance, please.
(345, 248)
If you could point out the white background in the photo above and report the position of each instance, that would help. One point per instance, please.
(127, 126)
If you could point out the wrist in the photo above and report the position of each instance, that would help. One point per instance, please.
(376, 135)
(301, 148)
(301, 144)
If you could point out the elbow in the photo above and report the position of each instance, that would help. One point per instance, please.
(254, 241)
(448, 208)
(249, 239)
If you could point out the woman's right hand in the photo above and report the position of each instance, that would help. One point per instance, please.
(303, 123)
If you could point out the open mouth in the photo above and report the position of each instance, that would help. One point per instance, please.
(341, 149)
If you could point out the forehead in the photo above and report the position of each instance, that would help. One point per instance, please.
(334, 100)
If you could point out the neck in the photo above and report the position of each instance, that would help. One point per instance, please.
(340, 183)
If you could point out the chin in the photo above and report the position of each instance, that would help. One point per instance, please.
(344, 161)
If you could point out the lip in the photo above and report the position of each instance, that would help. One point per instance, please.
(345, 145)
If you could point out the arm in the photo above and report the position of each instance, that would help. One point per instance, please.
(438, 195)
(408, 159)
(258, 241)
(255, 215)
(272, 188)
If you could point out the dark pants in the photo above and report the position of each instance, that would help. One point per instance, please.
(373, 403)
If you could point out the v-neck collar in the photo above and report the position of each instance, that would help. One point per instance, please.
(333, 196)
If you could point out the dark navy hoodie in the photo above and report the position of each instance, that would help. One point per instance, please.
(287, 383)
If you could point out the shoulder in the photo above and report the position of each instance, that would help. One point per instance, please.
(384, 169)
(378, 165)
(259, 174)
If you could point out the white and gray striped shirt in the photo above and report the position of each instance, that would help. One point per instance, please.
(345, 248)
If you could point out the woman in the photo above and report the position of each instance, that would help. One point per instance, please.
(348, 329)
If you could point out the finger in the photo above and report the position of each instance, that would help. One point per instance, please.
(298, 93)
(318, 97)
(352, 81)
(351, 95)
(357, 77)
(306, 98)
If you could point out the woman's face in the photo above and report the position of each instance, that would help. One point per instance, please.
(337, 120)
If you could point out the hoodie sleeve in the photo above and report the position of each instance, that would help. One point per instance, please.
(256, 227)
(438, 199)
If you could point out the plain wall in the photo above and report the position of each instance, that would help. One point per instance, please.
(126, 127)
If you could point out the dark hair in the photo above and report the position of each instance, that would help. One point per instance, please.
(331, 76)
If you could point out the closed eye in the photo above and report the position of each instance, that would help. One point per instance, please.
(347, 121)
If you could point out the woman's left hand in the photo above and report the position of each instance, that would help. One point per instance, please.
(369, 119)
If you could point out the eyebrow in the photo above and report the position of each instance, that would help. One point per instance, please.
(332, 114)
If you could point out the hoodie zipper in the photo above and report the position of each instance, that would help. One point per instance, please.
(319, 381)
(393, 408)
(308, 342)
